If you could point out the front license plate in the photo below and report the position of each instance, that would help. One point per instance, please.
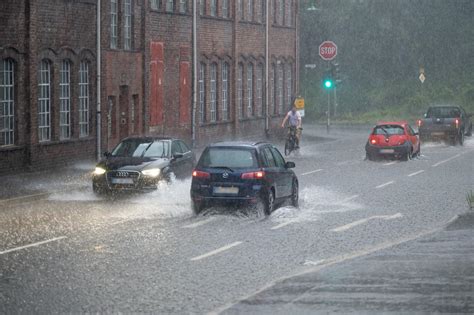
(226, 190)
(387, 151)
(122, 181)
(437, 133)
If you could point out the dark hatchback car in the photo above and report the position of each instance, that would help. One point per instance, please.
(139, 163)
(248, 173)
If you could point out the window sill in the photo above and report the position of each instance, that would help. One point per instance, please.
(219, 18)
(252, 118)
(65, 141)
(216, 123)
(12, 147)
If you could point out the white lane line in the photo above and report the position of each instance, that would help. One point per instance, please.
(216, 251)
(390, 163)
(362, 221)
(447, 160)
(199, 223)
(279, 226)
(349, 199)
(312, 172)
(416, 173)
(386, 184)
(32, 245)
(314, 263)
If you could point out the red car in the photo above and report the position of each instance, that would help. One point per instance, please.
(393, 139)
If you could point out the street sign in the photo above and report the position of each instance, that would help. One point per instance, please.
(328, 50)
(310, 66)
(422, 78)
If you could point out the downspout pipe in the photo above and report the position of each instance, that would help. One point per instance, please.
(267, 67)
(195, 74)
(98, 117)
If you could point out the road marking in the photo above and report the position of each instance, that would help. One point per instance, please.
(391, 163)
(447, 160)
(362, 221)
(279, 226)
(312, 172)
(314, 263)
(32, 245)
(416, 173)
(349, 199)
(386, 184)
(216, 251)
(199, 223)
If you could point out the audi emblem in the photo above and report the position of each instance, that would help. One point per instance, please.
(122, 174)
(225, 175)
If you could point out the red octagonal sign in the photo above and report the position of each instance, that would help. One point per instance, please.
(328, 50)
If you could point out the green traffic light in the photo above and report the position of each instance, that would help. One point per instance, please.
(328, 84)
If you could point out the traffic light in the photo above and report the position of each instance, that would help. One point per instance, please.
(328, 80)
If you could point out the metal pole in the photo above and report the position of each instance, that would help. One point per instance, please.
(335, 99)
(98, 117)
(267, 66)
(329, 113)
(195, 70)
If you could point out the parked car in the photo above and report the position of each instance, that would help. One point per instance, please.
(445, 122)
(248, 173)
(139, 163)
(393, 139)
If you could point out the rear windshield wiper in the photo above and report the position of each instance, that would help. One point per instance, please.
(223, 167)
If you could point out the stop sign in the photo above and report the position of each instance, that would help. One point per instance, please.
(328, 50)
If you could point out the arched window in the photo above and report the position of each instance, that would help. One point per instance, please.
(213, 95)
(65, 100)
(84, 99)
(240, 90)
(259, 109)
(250, 90)
(202, 92)
(7, 102)
(225, 91)
(44, 101)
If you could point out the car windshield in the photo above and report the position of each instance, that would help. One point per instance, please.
(141, 148)
(389, 130)
(443, 112)
(228, 157)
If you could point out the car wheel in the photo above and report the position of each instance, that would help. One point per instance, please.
(369, 156)
(407, 156)
(268, 202)
(461, 138)
(295, 195)
(288, 147)
(469, 133)
(197, 206)
(96, 189)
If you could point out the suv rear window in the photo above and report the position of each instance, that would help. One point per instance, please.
(228, 157)
(389, 130)
(443, 112)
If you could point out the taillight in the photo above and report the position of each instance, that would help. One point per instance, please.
(373, 141)
(253, 175)
(456, 122)
(200, 174)
(419, 122)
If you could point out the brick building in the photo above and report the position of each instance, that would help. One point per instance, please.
(48, 73)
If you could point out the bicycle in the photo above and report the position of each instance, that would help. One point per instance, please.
(291, 142)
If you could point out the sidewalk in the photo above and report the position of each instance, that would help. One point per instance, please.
(434, 274)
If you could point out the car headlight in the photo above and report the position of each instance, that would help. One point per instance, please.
(99, 171)
(153, 172)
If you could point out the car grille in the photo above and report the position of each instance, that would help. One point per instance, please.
(123, 179)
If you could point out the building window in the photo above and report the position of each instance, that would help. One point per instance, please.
(225, 8)
(65, 100)
(7, 102)
(263, 10)
(250, 90)
(240, 8)
(213, 7)
(202, 4)
(250, 10)
(202, 93)
(83, 99)
(213, 86)
(289, 17)
(280, 89)
(240, 98)
(44, 101)
(183, 6)
(155, 4)
(281, 11)
(225, 91)
(272, 90)
(289, 85)
(113, 24)
(169, 5)
(259, 90)
(127, 26)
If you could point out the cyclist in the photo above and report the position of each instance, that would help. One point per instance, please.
(294, 121)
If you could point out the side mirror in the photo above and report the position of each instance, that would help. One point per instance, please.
(107, 154)
(290, 165)
(177, 156)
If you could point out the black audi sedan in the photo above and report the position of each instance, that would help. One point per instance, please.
(240, 172)
(139, 163)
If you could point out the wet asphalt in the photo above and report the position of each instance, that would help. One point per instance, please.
(64, 250)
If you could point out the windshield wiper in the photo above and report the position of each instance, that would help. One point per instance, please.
(223, 167)
(146, 149)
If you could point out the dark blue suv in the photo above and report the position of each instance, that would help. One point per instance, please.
(230, 172)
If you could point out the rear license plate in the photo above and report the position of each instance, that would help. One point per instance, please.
(387, 151)
(226, 190)
(122, 181)
(437, 133)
